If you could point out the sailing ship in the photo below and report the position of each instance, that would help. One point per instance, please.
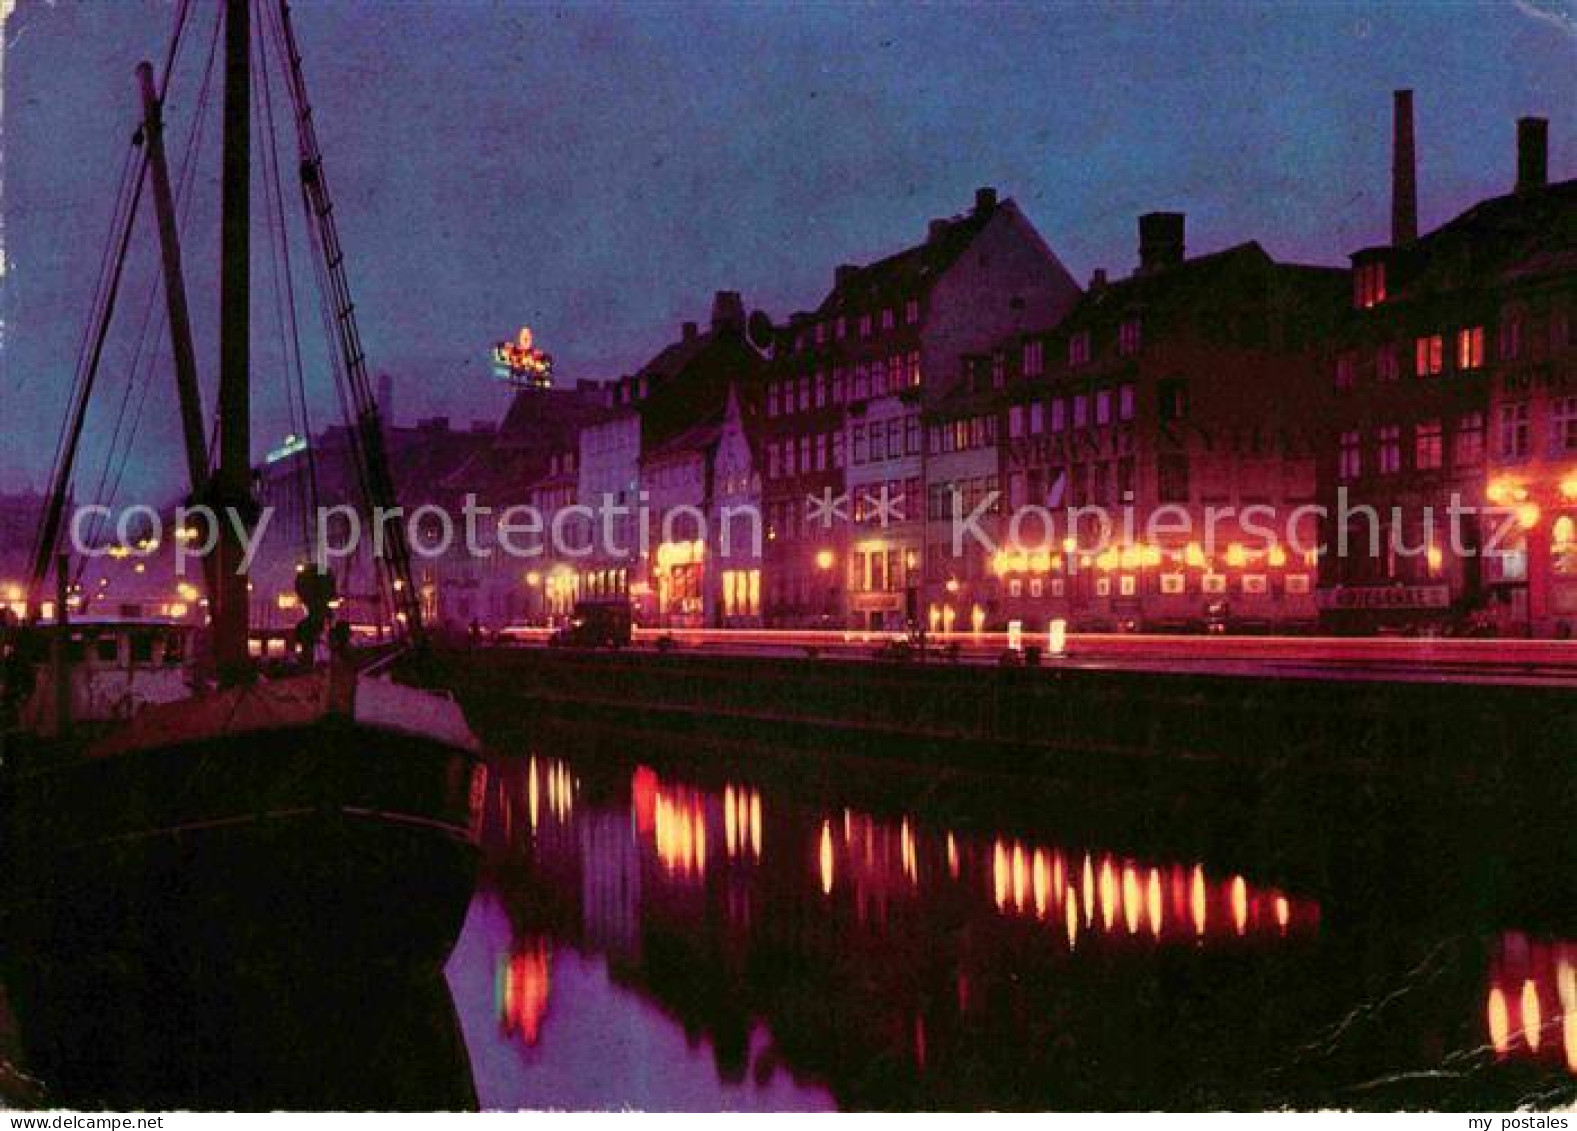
(158, 790)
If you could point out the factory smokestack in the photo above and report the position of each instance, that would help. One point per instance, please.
(1533, 154)
(1404, 174)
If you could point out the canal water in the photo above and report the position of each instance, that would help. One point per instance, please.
(666, 927)
(663, 924)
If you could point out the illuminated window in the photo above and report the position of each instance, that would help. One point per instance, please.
(1103, 587)
(1103, 407)
(1172, 584)
(1125, 402)
(1470, 348)
(1015, 422)
(1563, 425)
(1037, 418)
(913, 363)
(1079, 348)
(1297, 583)
(840, 327)
(1059, 415)
(1563, 546)
(1254, 583)
(911, 311)
(1428, 454)
(865, 325)
(887, 319)
(1429, 355)
(1081, 410)
(772, 399)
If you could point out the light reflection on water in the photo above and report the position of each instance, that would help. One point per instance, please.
(651, 941)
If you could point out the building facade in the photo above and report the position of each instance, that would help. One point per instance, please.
(1159, 446)
(890, 338)
(1451, 480)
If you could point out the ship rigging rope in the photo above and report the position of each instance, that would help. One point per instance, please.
(110, 482)
(364, 429)
(90, 351)
(105, 295)
(285, 295)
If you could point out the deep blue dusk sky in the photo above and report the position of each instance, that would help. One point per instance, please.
(598, 170)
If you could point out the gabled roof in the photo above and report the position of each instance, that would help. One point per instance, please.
(690, 382)
(910, 271)
(1221, 283)
(697, 438)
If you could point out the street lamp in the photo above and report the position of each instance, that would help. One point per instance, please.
(824, 562)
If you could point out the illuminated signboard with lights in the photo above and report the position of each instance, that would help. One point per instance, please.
(522, 364)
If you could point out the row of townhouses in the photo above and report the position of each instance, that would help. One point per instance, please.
(960, 435)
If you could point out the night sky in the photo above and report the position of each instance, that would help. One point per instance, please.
(598, 171)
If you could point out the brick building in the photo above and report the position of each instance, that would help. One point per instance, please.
(1455, 417)
(1173, 400)
(889, 337)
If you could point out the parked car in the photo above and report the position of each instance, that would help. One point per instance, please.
(595, 624)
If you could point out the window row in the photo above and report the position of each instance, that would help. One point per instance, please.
(1427, 443)
(879, 440)
(1078, 411)
(966, 495)
(836, 329)
(804, 455)
(1515, 429)
(965, 435)
(862, 381)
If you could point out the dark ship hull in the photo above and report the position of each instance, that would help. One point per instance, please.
(225, 832)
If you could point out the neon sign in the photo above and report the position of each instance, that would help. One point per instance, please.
(520, 363)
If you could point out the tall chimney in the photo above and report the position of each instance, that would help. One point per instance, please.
(1404, 173)
(1160, 240)
(386, 399)
(985, 199)
(1533, 153)
(728, 311)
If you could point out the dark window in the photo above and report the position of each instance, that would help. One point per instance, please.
(1172, 477)
(1173, 395)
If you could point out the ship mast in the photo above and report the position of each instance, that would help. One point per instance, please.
(233, 486)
